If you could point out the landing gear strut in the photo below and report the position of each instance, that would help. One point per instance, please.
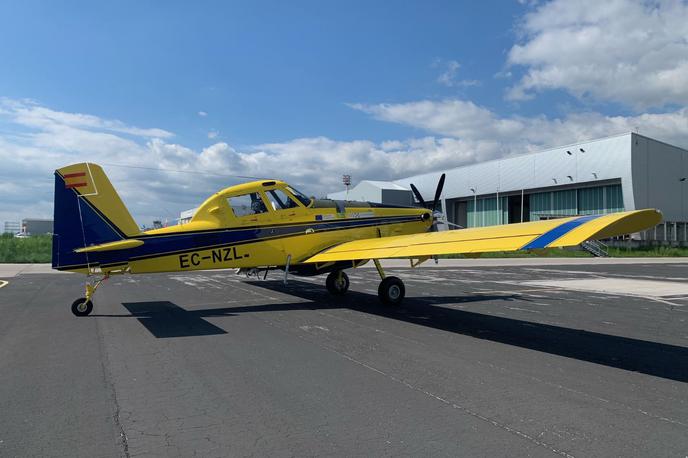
(391, 290)
(84, 305)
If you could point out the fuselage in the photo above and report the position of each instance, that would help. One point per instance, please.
(260, 224)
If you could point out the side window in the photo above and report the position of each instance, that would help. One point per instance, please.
(280, 200)
(247, 204)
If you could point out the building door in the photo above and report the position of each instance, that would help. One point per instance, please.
(461, 213)
(515, 208)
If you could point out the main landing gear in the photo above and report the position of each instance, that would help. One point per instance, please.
(337, 282)
(391, 290)
(84, 305)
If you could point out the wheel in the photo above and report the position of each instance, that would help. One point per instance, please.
(337, 282)
(82, 307)
(391, 291)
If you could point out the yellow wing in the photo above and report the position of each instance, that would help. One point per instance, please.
(509, 237)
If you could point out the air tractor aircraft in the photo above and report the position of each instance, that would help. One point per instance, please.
(268, 224)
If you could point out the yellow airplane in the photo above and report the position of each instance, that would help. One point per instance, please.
(268, 224)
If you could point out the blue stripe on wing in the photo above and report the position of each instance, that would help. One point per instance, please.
(553, 234)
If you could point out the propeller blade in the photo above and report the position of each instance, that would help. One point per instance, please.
(438, 192)
(417, 194)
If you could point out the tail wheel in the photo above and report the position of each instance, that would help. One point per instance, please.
(337, 282)
(82, 307)
(391, 291)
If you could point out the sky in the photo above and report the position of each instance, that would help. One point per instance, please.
(177, 100)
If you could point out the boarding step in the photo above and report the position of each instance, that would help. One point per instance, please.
(596, 248)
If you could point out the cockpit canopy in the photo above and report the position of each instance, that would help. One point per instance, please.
(274, 198)
(251, 199)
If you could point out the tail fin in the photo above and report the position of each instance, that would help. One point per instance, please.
(88, 211)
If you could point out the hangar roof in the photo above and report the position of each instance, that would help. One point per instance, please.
(590, 161)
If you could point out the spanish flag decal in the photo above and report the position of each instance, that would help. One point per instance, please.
(75, 180)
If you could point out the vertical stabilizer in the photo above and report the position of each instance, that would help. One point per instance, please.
(88, 211)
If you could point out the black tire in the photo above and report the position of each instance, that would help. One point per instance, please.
(391, 291)
(82, 307)
(334, 285)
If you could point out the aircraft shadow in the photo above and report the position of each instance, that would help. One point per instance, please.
(647, 357)
(166, 319)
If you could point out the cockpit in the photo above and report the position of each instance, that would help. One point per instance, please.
(272, 197)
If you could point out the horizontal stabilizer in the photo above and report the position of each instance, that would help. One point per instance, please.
(111, 246)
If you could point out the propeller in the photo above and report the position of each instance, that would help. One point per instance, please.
(416, 193)
(438, 192)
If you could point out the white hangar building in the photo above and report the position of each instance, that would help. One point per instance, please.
(377, 191)
(623, 172)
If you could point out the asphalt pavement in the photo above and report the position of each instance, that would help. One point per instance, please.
(537, 359)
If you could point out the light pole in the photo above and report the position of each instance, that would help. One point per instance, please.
(346, 179)
(683, 218)
(475, 207)
(682, 180)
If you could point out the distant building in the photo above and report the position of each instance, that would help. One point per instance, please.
(186, 215)
(33, 226)
(623, 172)
(376, 191)
(12, 227)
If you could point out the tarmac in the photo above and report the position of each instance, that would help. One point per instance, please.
(510, 357)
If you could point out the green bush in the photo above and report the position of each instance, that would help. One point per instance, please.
(37, 248)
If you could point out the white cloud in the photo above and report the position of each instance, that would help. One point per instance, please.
(628, 51)
(469, 122)
(449, 74)
(456, 132)
(31, 114)
(448, 77)
(202, 114)
(213, 134)
(452, 117)
(186, 176)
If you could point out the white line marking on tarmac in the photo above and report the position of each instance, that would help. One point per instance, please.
(523, 310)
(308, 328)
(3, 283)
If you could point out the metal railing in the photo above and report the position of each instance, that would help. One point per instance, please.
(596, 248)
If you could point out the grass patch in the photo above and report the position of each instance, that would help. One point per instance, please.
(655, 252)
(550, 253)
(37, 248)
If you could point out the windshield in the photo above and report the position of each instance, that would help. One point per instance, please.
(306, 201)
